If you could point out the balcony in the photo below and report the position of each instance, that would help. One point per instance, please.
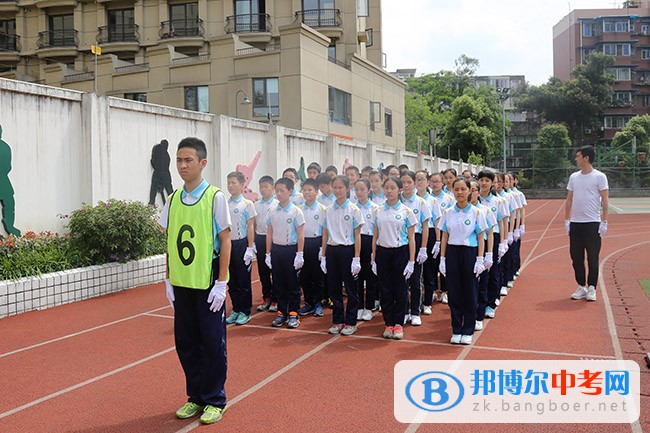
(8, 6)
(183, 32)
(119, 38)
(61, 43)
(248, 23)
(326, 21)
(9, 47)
(42, 4)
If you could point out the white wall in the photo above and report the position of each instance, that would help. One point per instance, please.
(71, 148)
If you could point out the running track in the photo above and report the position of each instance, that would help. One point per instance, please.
(108, 364)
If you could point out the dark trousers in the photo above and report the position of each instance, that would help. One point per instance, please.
(239, 284)
(200, 337)
(415, 300)
(584, 237)
(285, 278)
(462, 286)
(263, 270)
(392, 285)
(494, 278)
(482, 299)
(339, 262)
(517, 257)
(430, 270)
(367, 279)
(505, 265)
(311, 275)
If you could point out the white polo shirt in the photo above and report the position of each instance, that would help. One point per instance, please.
(490, 217)
(368, 210)
(379, 199)
(419, 208)
(509, 202)
(297, 198)
(327, 200)
(521, 196)
(285, 222)
(314, 219)
(445, 201)
(586, 189)
(262, 208)
(393, 224)
(241, 210)
(353, 195)
(463, 225)
(492, 202)
(341, 221)
(434, 208)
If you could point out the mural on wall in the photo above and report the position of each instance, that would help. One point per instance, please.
(161, 179)
(6, 190)
(247, 171)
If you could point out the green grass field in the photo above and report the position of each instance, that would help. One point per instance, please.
(645, 284)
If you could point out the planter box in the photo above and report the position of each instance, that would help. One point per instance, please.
(49, 290)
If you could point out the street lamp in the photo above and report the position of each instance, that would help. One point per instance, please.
(504, 94)
(244, 101)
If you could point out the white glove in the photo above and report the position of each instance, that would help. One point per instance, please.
(217, 296)
(489, 261)
(356, 266)
(522, 230)
(479, 266)
(255, 249)
(267, 260)
(436, 249)
(248, 255)
(511, 238)
(422, 256)
(567, 226)
(443, 266)
(299, 260)
(602, 229)
(320, 253)
(408, 270)
(323, 264)
(373, 266)
(503, 247)
(170, 292)
(516, 234)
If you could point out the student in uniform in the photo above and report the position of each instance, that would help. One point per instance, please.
(352, 173)
(391, 170)
(262, 206)
(313, 170)
(365, 172)
(449, 176)
(242, 236)
(445, 201)
(367, 279)
(326, 197)
(423, 215)
(504, 247)
(331, 171)
(376, 181)
(514, 225)
(519, 232)
(296, 196)
(196, 283)
(393, 251)
(430, 266)
(461, 260)
(341, 260)
(285, 241)
(311, 275)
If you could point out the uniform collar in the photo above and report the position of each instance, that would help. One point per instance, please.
(198, 191)
(269, 201)
(286, 208)
(382, 195)
(395, 206)
(345, 204)
(442, 193)
(367, 205)
(313, 206)
(236, 199)
(466, 210)
(412, 199)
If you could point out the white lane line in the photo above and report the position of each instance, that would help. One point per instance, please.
(541, 237)
(84, 383)
(159, 315)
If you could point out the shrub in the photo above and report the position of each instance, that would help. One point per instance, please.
(116, 231)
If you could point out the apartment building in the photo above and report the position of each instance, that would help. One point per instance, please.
(623, 33)
(306, 64)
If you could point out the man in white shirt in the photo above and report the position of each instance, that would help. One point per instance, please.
(588, 193)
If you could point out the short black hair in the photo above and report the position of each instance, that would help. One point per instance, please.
(237, 175)
(452, 170)
(286, 182)
(486, 173)
(324, 179)
(311, 182)
(314, 166)
(395, 179)
(290, 170)
(332, 168)
(588, 151)
(266, 179)
(352, 167)
(367, 168)
(196, 144)
(343, 179)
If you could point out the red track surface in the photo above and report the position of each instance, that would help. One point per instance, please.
(108, 364)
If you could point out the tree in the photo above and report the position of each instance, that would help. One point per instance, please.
(622, 154)
(551, 157)
(470, 128)
(419, 120)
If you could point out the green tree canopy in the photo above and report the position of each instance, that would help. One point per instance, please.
(551, 156)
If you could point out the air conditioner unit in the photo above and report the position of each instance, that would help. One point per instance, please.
(588, 131)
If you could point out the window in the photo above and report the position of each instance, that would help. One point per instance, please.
(196, 99)
(141, 97)
(622, 26)
(624, 98)
(388, 121)
(645, 99)
(616, 122)
(249, 15)
(616, 49)
(317, 4)
(586, 52)
(340, 106)
(370, 34)
(375, 114)
(266, 95)
(587, 30)
(645, 53)
(62, 30)
(616, 26)
(331, 51)
(8, 35)
(362, 8)
(645, 29)
(121, 25)
(620, 74)
(184, 19)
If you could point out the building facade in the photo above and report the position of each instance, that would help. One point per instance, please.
(622, 33)
(311, 65)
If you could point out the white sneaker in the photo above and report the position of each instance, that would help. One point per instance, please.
(497, 302)
(510, 284)
(466, 339)
(367, 315)
(504, 291)
(416, 321)
(444, 298)
(407, 318)
(591, 293)
(426, 310)
(478, 326)
(580, 293)
(434, 298)
(455, 338)
(359, 314)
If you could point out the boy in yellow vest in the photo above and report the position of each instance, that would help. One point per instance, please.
(197, 221)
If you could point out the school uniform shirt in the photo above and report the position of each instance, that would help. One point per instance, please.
(341, 221)
(285, 222)
(220, 213)
(490, 217)
(297, 198)
(314, 219)
(463, 225)
(379, 199)
(262, 209)
(434, 208)
(393, 224)
(368, 210)
(586, 202)
(419, 208)
(522, 197)
(353, 195)
(241, 210)
(492, 203)
(445, 201)
(509, 201)
(327, 200)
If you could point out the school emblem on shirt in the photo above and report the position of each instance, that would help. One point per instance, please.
(467, 222)
(415, 211)
(316, 217)
(494, 209)
(398, 217)
(347, 217)
(236, 210)
(443, 204)
(368, 215)
(289, 220)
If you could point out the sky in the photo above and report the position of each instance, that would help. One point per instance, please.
(508, 37)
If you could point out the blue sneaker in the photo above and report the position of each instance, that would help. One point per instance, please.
(293, 322)
(318, 310)
(279, 320)
(306, 310)
(489, 313)
(232, 318)
(242, 319)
